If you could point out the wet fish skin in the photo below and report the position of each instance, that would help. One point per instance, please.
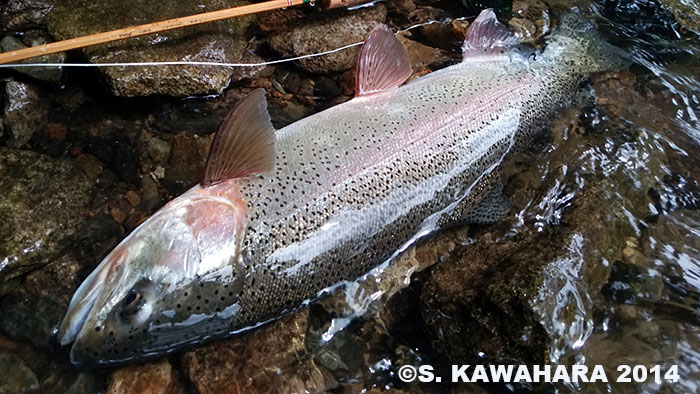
(352, 187)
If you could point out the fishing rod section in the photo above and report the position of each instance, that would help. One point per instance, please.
(170, 24)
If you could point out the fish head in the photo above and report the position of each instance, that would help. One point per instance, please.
(127, 304)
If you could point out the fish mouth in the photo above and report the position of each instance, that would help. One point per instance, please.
(74, 320)
(82, 304)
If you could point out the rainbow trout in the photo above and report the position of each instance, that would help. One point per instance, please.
(283, 218)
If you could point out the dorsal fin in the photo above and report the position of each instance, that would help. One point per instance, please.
(244, 143)
(383, 63)
(486, 36)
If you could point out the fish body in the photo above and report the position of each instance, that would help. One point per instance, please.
(350, 188)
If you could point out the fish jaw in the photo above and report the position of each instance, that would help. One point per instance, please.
(195, 235)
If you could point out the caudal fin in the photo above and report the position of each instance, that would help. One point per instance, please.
(581, 46)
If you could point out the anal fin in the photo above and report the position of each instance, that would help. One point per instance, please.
(493, 207)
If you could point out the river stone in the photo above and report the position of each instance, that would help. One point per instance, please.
(186, 164)
(30, 318)
(326, 32)
(31, 312)
(152, 378)
(20, 15)
(221, 41)
(25, 112)
(686, 13)
(48, 74)
(15, 376)
(42, 209)
(478, 301)
(271, 359)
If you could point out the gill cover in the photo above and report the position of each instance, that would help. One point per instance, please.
(194, 235)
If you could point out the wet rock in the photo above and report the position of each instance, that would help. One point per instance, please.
(31, 312)
(271, 359)
(400, 6)
(133, 198)
(110, 138)
(35, 360)
(372, 291)
(326, 32)
(15, 376)
(675, 192)
(58, 280)
(193, 116)
(476, 303)
(423, 56)
(43, 208)
(530, 21)
(150, 198)
(514, 297)
(56, 132)
(25, 112)
(20, 15)
(240, 73)
(631, 284)
(29, 317)
(279, 19)
(221, 41)
(186, 164)
(446, 36)
(152, 378)
(64, 380)
(285, 112)
(686, 13)
(49, 74)
(500, 7)
(633, 254)
(91, 165)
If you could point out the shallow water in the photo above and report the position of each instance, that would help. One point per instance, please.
(598, 262)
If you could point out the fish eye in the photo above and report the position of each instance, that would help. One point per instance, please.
(132, 302)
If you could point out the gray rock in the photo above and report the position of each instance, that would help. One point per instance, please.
(241, 73)
(19, 15)
(686, 13)
(151, 198)
(329, 31)
(25, 112)
(159, 150)
(65, 379)
(221, 41)
(31, 318)
(271, 359)
(186, 165)
(15, 376)
(49, 74)
(531, 20)
(42, 209)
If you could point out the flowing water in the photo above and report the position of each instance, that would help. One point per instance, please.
(597, 264)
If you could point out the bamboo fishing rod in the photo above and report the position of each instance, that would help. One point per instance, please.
(156, 27)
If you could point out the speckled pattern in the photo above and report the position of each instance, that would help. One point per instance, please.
(356, 184)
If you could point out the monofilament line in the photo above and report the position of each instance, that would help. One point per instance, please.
(209, 64)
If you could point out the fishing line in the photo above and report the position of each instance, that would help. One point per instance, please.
(215, 64)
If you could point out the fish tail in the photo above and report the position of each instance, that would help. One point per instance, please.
(577, 42)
